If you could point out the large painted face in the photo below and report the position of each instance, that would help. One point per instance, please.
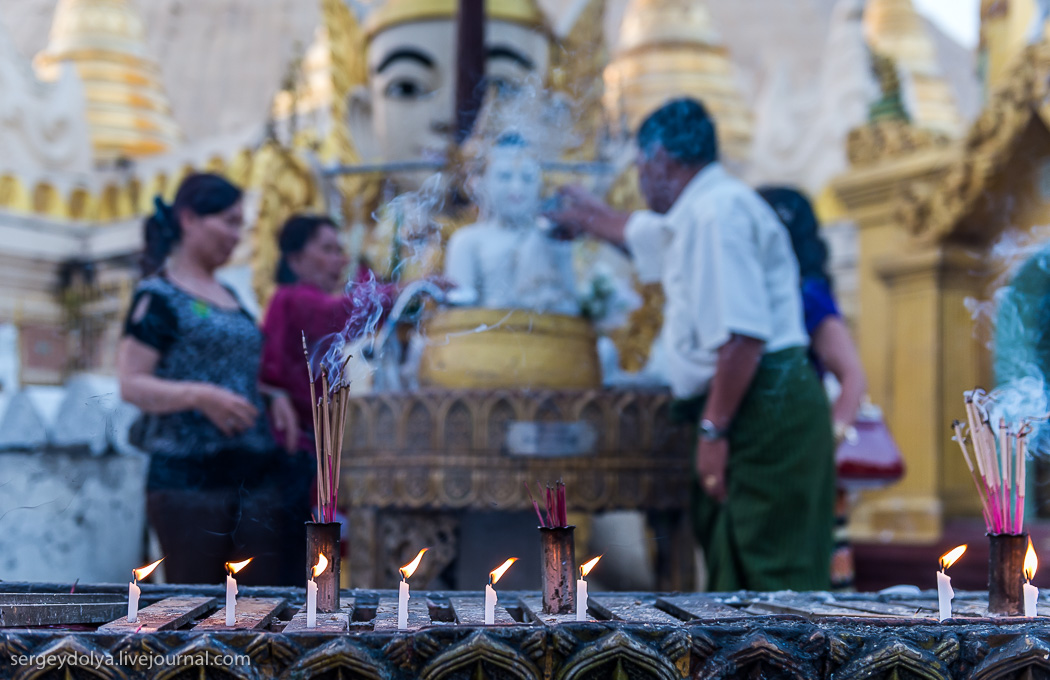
(406, 111)
(511, 185)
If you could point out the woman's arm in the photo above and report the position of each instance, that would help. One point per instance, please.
(836, 352)
(136, 362)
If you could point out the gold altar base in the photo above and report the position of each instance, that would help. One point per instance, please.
(498, 348)
(416, 462)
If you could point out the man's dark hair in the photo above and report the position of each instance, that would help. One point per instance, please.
(684, 128)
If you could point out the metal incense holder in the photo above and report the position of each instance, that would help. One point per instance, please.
(324, 538)
(558, 569)
(1005, 574)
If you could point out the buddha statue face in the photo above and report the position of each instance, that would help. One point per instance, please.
(406, 110)
(511, 184)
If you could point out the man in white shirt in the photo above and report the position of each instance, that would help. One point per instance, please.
(735, 346)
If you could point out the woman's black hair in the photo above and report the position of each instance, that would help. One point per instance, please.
(295, 234)
(795, 211)
(202, 194)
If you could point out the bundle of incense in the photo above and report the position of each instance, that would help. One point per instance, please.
(557, 512)
(329, 419)
(997, 466)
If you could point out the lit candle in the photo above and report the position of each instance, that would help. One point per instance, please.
(581, 589)
(231, 590)
(311, 591)
(134, 591)
(402, 593)
(944, 584)
(1031, 593)
(490, 592)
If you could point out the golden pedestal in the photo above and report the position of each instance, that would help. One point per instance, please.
(498, 348)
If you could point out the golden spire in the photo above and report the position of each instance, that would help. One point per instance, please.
(127, 109)
(668, 49)
(393, 12)
(895, 30)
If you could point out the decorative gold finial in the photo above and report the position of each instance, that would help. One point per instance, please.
(127, 109)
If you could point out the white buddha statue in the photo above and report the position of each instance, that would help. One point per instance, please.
(510, 260)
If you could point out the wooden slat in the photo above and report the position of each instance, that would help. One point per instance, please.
(960, 608)
(168, 614)
(59, 598)
(252, 614)
(533, 606)
(631, 609)
(884, 609)
(49, 614)
(386, 613)
(698, 607)
(470, 611)
(809, 608)
(334, 622)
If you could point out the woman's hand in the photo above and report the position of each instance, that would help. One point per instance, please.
(285, 420)
(228, 411)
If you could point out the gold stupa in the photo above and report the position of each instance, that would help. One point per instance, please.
(127, 109)
(895, 30)
(667, 49)
(394, 12)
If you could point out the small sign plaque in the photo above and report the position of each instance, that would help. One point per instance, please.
(551, 439)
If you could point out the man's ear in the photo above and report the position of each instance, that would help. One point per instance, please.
(359, 120)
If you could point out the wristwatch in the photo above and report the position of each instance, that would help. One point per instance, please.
(709, 432)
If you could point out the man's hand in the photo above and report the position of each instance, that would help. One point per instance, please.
(583, 213)
(711, 461)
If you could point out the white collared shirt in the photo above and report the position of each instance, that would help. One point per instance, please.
(727, 267)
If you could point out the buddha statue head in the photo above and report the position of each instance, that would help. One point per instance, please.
(405, 111)
(510, 187)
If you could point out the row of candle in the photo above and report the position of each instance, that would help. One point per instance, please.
(490, 591)
(945, 594)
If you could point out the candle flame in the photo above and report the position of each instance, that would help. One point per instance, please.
(410, 568)
(1031, 562)
(586, 567)
(498, 572)
(234, 567)
(322, 564)
(951, 557)
(143, 572)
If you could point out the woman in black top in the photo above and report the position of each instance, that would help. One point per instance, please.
(218, 481)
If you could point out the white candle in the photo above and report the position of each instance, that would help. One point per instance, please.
(490, 605)
(944, 595)
(1031, 596)
(231, 600)
(133, 602)
(311, 604)
(581, 600)
(402, 605)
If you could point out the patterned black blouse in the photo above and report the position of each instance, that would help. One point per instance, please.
(198, 342)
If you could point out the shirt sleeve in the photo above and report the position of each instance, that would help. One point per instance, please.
(728, 282)
(645, 237)
(817, 304)
(152, 321)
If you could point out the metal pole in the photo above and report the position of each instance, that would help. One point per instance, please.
(470, 63)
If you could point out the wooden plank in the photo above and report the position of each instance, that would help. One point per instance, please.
(169, 614)
(698, 607)
(810, 608)
(891, 610)
(333, 622)
(960, 608)
(49, 614)
(386, 614)
(533, 606)
(252, 614)
(470, 611)
(631, 610)
(60, 598)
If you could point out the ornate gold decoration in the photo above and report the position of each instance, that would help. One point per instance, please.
(635, 340)
(576, 70)
(889, 138)
(286, 186)
(986, 149)
(515, 349)
(127, 109)
(394, 12)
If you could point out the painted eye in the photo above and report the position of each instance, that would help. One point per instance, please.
(405, 89)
